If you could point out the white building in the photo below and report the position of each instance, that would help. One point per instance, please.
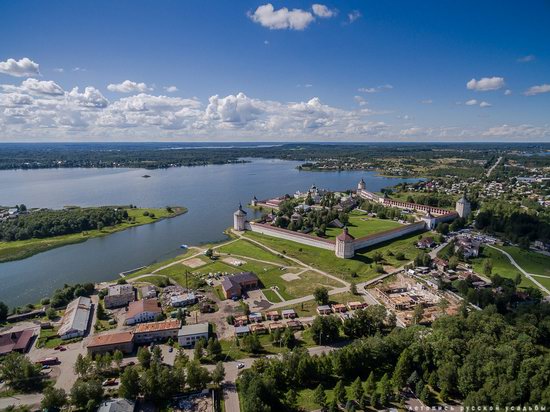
(189, 334)
(463, 207)
(430, 221)
(140, 311)
(239, 219)
(361, 185)
(183, 300)
(76, 318)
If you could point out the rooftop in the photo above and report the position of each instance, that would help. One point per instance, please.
(144, 305)
(15, 341)
(111, 339)
(115, 290)
(76, 315)
(196, 329)
(157, 326)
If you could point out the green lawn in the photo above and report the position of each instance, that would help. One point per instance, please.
(543, 281)
(21, 249)
(362, 264)
(361, 225)
(309, 308)
(244, 248)
(271, 296)
(501, 265)
(531, 262)
(230, 350)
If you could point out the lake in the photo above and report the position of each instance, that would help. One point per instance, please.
(211, 193)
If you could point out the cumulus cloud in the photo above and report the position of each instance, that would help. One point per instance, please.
(526, 59)
(353, 16)
(128, 86)
(320, 10)
(90, 98)
(170, 89)
(24, 67)
(295, 19)
(507, 92)
(485, 104)
(518, 131)
(543, 88)
(486, 83)
(471, 102)
(42, 87)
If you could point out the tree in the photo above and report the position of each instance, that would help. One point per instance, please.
(453, 262)
(51, 313)
(252, 344)
(487, 267)
(402, 369)
(320, 397)
(291, 399)
(218, 374)
(321, 295)
(118, 357)
(357, 389)
(86, 394)
(325, 330)
(288, 339)
(333, 405)
(197, 376)
(3, 312)
(54, 399)
(129, 383)
(101, 315)
(144, 357)
(517, 279)
(385, 389)
(82, 365)
(377, 256)
(214, 348)
(209, 253)
(418, 314)
(370, 385)
(340, 392)
(353, 288)
(20, 373)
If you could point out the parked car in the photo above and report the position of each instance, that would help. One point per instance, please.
(110, 382)
(240, 365)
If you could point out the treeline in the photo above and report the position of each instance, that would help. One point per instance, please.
(49, 223)
(516, 225)
(383, 212)
(480, 357)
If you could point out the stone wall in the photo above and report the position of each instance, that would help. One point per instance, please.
(376, 238)
(290, 235)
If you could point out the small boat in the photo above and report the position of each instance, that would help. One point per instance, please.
(183, 246)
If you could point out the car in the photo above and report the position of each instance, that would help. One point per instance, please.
(62, 348)
(170, 349)
(110, 382)
(240, 365)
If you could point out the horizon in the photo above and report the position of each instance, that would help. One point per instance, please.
(280, 71)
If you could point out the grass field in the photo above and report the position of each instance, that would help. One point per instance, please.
(361, 225)
(21, 249)
(531, 262)
(544, 281)
(501, 265)
(244, 248)
(362, 264)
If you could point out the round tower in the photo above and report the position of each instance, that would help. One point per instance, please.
(430, 220)
(344, 245)
(463, 207)
(361, 185)
(239, 219)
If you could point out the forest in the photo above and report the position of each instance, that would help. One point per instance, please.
(478, 357)
(47, 223)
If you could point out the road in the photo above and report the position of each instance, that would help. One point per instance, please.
(493, 166)
(526, 274)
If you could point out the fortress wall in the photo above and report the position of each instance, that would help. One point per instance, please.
(376, 238)
(290, 235)
(447, 217)
(402, 205)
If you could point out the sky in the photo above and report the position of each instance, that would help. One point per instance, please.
(198, 70)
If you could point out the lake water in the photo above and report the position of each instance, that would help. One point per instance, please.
(211, 193)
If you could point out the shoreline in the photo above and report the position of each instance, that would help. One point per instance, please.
(10, 251)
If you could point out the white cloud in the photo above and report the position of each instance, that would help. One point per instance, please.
(360, 100)
(14, 99)
(471, 102)
(59, 69)
(427, 101)
(295, 19)
(526, 59)
(523, 131)
(507, 92)
(485, 104)
(375, 89)
(353, 16)
(43, 87)
(90, 98)
(24, 67)
(128, 86)
(543, 88)
(170, 89)
(486, 84)
(320, 10)
(79, 69)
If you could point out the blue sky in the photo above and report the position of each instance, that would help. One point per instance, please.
(285, 70)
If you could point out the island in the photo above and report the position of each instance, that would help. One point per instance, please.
(26, 232)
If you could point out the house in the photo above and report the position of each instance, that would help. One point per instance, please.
(189, 334)
(440, 264)
(75, 319)
(289, 314)
(258, 328)
(185, 299)
(272, 315)
(242, 330)
(339, 308)
(294, 324)
(233, 286)
(110, 342)
(145, 310)
(119, 295)
(255, 317)
(273, 326)
(324, 310)
(356, 305)
(425, 243)
(241, 320)
(157, 331)
(16, 341)
(148, 292)
(117, 405)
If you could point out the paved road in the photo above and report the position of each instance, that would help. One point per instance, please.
(526, 274)
(493, 166)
